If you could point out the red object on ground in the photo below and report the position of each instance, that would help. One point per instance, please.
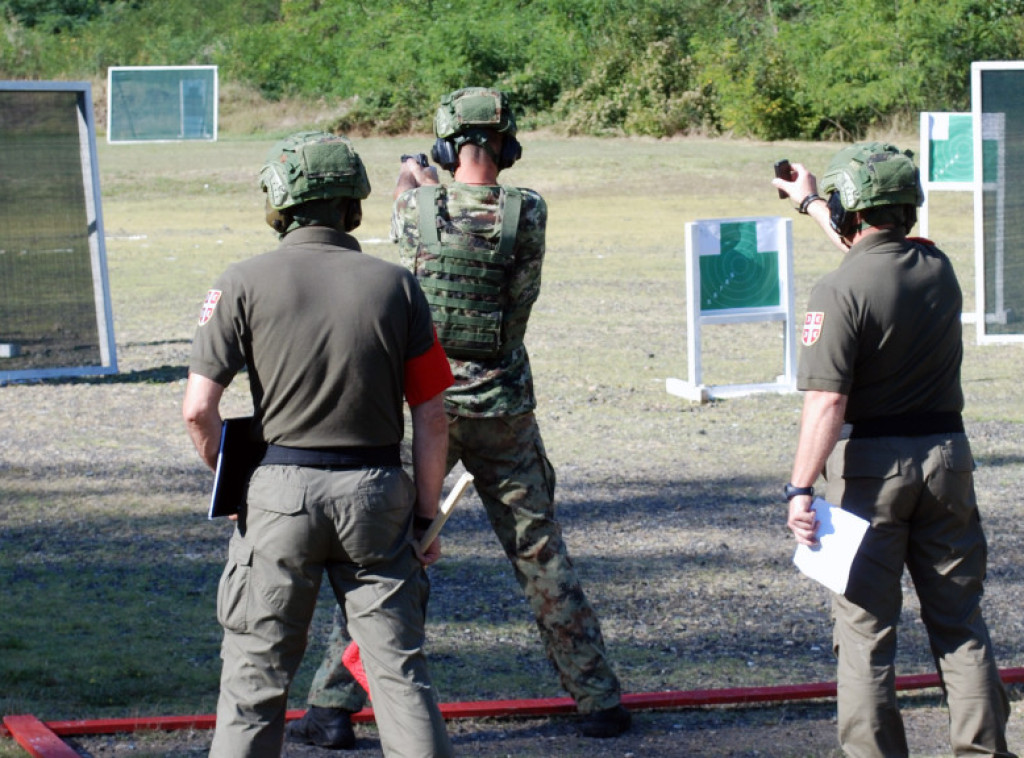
(532, 707)
(33, 735)
(354, 663)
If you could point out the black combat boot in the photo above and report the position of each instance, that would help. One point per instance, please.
(324, 727)
(611, 722)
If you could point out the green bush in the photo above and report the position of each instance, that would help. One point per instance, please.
(770, 70)
(650, 94)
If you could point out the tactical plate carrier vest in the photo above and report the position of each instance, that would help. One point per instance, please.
(464, 278)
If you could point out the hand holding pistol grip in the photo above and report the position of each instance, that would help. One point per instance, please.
(420, 158)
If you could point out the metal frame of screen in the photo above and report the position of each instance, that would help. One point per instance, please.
(999, 279)
(112, 73)
(94, 232)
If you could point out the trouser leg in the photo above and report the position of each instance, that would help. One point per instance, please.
(516, 484)
(333, 684)
(385, 590)
(947, 559)
(865, 619)
(870, 725)
(386, 610)
(265, 602)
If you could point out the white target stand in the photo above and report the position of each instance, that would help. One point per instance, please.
(738, 271)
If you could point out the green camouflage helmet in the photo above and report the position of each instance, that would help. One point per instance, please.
(312, 166)
(474, 108)
(870, 174)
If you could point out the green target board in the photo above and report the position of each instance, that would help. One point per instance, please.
(951, 148)
(738, 270)
(738, 267)
(947, 146)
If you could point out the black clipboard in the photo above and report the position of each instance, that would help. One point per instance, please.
(238, 456)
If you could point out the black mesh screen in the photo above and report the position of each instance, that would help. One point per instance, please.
(1003, 199)
(48, 301)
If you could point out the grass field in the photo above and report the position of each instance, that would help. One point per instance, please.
(672, 510)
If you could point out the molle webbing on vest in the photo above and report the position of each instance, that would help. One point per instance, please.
(464, 278)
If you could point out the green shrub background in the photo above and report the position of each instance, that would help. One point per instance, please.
(768, 69)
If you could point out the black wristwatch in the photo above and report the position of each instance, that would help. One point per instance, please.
(791, 491)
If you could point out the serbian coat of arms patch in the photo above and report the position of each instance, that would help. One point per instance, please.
(812, 327)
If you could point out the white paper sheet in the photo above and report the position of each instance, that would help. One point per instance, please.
(839, 536)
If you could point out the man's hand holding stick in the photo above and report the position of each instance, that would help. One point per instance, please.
(444, 511)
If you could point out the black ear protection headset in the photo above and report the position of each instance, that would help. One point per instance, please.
(842, 221)
(446, 154)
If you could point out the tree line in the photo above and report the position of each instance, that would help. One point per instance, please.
(768, 69)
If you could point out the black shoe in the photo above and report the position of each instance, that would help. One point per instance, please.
(324, 727)
(611, 722)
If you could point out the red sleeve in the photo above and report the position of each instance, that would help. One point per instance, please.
(427, 375)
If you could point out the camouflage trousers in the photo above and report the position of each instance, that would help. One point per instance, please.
(516, 483)
(333, 686)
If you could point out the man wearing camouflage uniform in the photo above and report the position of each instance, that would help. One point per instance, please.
(477, 248)
(881, 420)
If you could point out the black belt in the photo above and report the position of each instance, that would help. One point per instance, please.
(905, 425)
(356, 457)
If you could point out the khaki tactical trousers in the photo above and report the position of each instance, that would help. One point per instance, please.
(355, 525)
(918, 494)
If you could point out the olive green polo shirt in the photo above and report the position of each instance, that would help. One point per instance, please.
(884, 329)
(325, 332)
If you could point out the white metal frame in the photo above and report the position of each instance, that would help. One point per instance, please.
(693, 388)
(112, 70)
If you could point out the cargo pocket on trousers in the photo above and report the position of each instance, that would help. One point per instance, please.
(233, 591)
(863, 473)
(954, 484)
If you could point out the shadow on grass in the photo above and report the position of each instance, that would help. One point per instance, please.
(156, 375)
(112, 612)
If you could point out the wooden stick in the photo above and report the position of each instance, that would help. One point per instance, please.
(445, 511)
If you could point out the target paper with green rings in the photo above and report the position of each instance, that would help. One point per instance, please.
(951, 150)
(735, 270)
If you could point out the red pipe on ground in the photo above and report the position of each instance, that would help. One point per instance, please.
(15, 725)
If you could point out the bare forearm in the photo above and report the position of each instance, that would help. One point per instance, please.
(429, 454)
(820, 423)
(413, 175)
(818, 210)
(201, 412)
